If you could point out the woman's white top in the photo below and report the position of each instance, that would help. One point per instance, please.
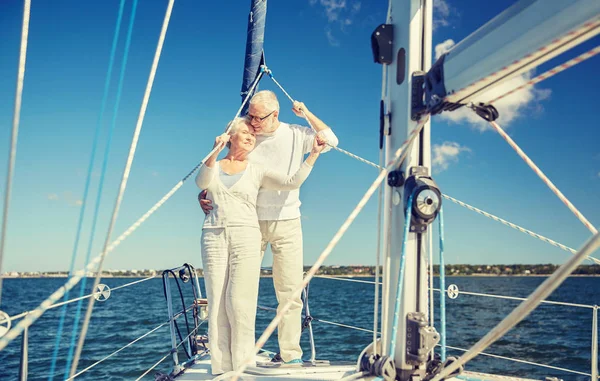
(236, 205)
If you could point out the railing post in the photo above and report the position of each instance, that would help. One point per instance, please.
(313, 351)
(595, 344)
(24, 355)
(171, 322)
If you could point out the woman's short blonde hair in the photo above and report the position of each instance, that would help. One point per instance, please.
(235, 125)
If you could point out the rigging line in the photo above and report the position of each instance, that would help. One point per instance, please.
(36, 313)
(517, 298)
(345, 279)
(102, 176)
(379, 217)
(442, 286)
(523, 361)
(400, 286)
(353, 155)
(169, 354)
(132, 149)
(519, 313)
(117, 351)
(544, 178)
(85, 194)
(398, 158)
(271, 309)
(22, 314)
(517, 227)
(570, 63)
(12, 156)
(311, 126)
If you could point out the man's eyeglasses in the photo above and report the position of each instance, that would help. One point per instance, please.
(260, 119)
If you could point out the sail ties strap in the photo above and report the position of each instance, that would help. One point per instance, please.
(397, 159)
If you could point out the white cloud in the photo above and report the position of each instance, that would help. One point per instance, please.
(66, 197)
(510, 107)
(338, 12)
(441, 13)
(333, 8)
(332, 40)
(443, 47)
(446, 154)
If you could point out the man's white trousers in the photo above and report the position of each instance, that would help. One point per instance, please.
(285, 238)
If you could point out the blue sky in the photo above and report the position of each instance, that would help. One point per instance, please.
(319, 50)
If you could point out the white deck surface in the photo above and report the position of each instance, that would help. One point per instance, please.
(334, 371)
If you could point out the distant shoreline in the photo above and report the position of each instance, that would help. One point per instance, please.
(318, 276)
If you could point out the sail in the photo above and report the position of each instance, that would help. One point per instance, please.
(254, 46)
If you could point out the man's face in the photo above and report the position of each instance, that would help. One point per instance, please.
(262, 119)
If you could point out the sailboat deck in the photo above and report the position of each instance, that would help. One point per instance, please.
(200, 370)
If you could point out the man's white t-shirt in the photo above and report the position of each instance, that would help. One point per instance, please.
(283, 151)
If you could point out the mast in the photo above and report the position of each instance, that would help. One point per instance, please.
(404, 44)
(254, 56)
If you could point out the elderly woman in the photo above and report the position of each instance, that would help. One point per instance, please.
(231, 240)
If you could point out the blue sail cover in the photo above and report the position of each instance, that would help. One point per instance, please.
(254, 46)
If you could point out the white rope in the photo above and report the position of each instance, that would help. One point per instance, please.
(519, 313)
(118, 350)
(313, 128)
(353, 155)
(324, 321)
(517, 227)
(521, 361)
(345, 326)
(344, 279)
(12, 318)
(552, 72)
(123, 186)
(12, 156)
(168, 354)
(398, 158)
(35, 314)
(544, 178)
(521, 299)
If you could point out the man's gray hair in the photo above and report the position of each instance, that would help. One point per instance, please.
(235, 126)
(267, 98)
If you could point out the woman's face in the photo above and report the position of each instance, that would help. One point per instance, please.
(244, 139)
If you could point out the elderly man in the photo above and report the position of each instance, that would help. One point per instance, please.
(281, 146)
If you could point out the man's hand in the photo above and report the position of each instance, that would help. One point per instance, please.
(318, 145)
(320, 138)
(298, 108)
(204, 203)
